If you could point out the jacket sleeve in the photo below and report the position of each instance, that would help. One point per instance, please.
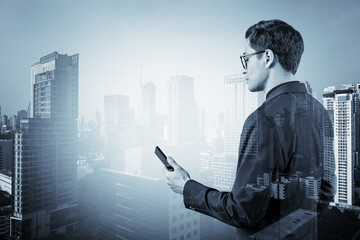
(246, 204)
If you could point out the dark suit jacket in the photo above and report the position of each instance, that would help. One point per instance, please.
(283, 138)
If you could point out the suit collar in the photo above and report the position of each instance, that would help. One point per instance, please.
(293, 86)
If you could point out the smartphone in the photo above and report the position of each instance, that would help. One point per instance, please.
(163, 158)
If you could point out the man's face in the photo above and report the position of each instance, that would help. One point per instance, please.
(256, 74)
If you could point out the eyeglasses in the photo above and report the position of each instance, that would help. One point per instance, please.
(244, 58)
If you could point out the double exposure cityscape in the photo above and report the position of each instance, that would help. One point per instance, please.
(67, 175)
(99, 179)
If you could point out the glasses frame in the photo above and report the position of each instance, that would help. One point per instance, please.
(244, 60)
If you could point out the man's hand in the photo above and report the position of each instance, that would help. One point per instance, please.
(177, 178)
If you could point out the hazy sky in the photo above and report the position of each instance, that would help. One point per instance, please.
(202, 39)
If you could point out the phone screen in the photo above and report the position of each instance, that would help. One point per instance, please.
(163, 158)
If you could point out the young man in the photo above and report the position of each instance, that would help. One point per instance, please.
(281, 153)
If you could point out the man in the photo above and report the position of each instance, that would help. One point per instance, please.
(281, 153)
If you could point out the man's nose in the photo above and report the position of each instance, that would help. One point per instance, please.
(243, 75)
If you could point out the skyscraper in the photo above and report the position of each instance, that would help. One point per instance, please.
(343, 107)
(239, 104)
(147, 124)
(54, 86)
(182, 114)
(21, 115)
(120, 130)
(45, 176)
(131, 206)
(148, 103)
(6, 152)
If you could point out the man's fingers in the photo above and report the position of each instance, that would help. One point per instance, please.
(172, 162)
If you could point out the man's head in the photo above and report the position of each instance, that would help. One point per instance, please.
(274, 42)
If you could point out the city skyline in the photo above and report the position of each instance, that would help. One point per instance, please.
(88, 89)
(142, 41)
(48, 79)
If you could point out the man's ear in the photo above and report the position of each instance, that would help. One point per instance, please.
(269, 58)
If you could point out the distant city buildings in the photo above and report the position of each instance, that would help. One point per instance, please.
(285, 186)
(120, 129)
(148, 129)
(183, 125)
(148, 104)
(42, 156)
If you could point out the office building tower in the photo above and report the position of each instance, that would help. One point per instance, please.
(148, 103)
(5, 214)
(329, 157)
(120, 129)
(45, 176)
(6, 152)
(239, 104)
(12, 123)
(343, 107)
(20, 115)
(98, 123)
(54, 86)
(182, 114)
(5, 182)
(5, 124)
(218, 171)
(310, 186)
(132, 206)
(224, 168)
(183, 223)
(146, 123)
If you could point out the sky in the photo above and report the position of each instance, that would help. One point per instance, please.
(121, 42)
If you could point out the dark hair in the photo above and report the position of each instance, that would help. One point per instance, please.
(281, 38)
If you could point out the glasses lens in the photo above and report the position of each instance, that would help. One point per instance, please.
(243, 62)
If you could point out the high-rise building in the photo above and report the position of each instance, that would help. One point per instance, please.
(5, 124)
(132, 206)
(311, 187)
(239, 104)
(6, 152)
(12, 123)
(147, 124)
(120, 129)
(148, 103)
(182, 114)
(45, 176)
(343, 107)
(54, 86)
(218, 171)
(21, 115)
(183, 223)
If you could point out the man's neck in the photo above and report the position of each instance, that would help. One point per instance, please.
(276, 77)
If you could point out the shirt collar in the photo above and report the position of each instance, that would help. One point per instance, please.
(293, 86)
